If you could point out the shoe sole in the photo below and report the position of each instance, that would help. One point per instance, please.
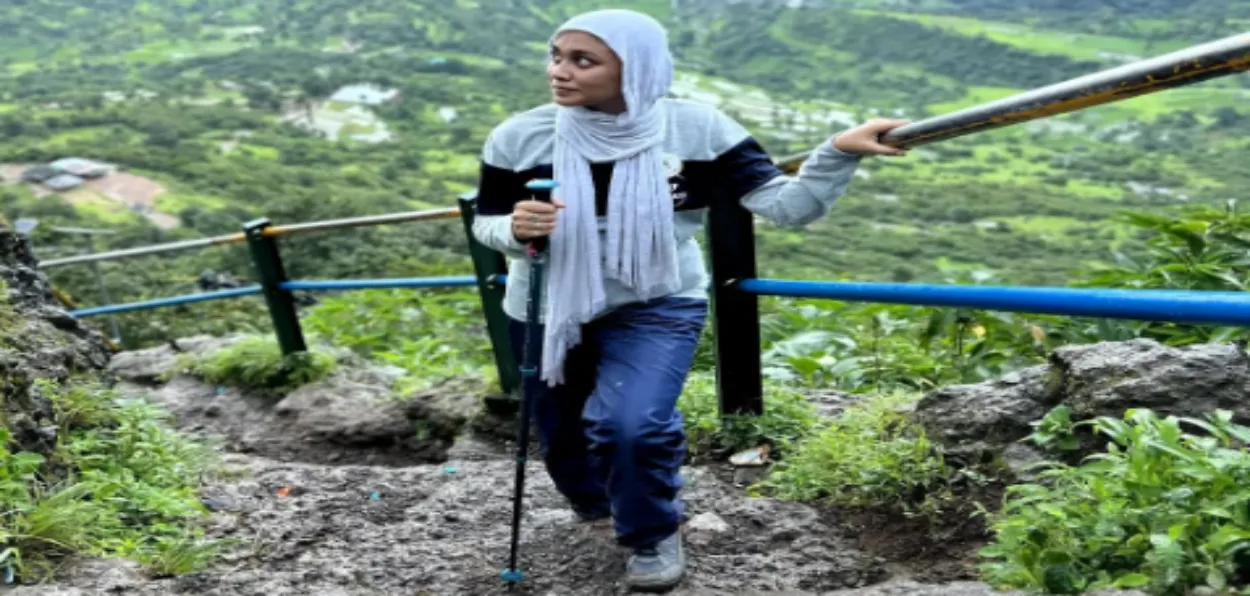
(655, 585)
(664, 582)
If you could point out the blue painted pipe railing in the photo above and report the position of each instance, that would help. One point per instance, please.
(1193, 307)
(1178, 306)
(289, 286)
(109, 309)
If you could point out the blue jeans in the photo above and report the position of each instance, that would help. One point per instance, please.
(611, 436)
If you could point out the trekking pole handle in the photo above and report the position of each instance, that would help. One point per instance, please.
(541, 187)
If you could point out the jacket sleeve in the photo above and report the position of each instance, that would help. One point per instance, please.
(764, 189)
(796, 201)
(499, 189)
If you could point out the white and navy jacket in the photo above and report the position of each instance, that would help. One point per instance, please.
(711, 159)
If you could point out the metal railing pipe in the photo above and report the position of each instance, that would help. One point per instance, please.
(169, 301)
(140, 251)
(1194, 307)
(369, 284)
(1222, 57)
(274, 231)
(366, 220)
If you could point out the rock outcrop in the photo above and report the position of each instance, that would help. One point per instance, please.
(350, 417)
(39, 340)
(985, 420)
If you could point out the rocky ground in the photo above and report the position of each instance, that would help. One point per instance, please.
(327, 492)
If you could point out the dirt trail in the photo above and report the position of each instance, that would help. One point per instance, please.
(317, 515)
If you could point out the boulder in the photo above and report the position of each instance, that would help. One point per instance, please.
(151, 366)
(980, 421)
(359, 414)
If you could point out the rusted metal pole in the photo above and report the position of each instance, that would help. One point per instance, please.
(1222, 57)
(275, 231)
(140, 251)
(367, 220)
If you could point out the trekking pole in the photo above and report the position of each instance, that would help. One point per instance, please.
(537, 250)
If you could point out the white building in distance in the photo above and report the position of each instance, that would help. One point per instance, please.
(370, 95)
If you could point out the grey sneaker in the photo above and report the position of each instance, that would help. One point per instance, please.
(659, 567)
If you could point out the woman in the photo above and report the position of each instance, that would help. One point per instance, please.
(626, 295)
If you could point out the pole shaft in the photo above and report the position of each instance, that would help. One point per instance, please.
(735, 315)
(268, 263)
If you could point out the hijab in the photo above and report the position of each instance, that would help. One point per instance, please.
(640, 247)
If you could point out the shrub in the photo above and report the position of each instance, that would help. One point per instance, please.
(257, 363)
(120, 483)
(871, 455)
(787, 419)
(1161, 509)
(434, 335)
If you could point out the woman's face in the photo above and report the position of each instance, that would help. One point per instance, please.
(585, 72)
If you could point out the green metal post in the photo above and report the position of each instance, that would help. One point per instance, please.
(487, 264)
(269, 269)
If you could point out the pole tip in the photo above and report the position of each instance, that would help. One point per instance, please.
(541, 184)
(512, 575)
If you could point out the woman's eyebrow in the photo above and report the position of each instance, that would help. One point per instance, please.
(575, 51)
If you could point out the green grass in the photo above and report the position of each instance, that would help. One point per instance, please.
(871, 455)
(220, 95)
(1055, 228)
(18, 68)
(441, 163)
(261, 151)
(470, 59)
(660, 9)
(89, 133)
(1093, 190)
(257, 364)
(975, 96)
(130, 492)
(1075, 45)
(356, 128)
(788, 420)
(166, 50)
(107, 210)
(175, 200)
(1201, 97)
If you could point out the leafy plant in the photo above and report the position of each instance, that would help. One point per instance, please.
(433, 334)
(1056, 430)
(1162, 508)
(871, 455)
(886, 347)
(257, 363)
(786, 420)
(1200, 247)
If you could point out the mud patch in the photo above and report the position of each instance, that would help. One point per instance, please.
(942, 550)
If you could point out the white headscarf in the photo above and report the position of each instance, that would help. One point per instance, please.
(641, 248)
